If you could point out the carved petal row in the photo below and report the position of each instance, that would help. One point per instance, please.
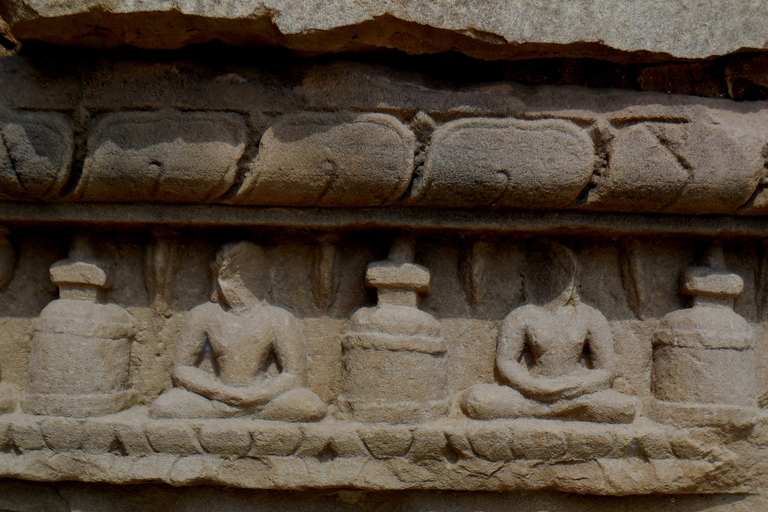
(687, 164)
(455, 454)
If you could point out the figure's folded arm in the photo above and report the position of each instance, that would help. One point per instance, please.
(509, 353)
(289, 352)
(262, 393)
(192, 338)
(201, 382)
(508, 361)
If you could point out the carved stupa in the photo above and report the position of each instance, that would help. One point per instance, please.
(81, 349)
(394, 353)
(703, 359)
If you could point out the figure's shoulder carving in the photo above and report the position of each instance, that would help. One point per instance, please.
(523, 314)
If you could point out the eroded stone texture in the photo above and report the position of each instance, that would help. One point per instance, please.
(168, 156)
(331, 160)
(407, 142)
(506, 163)
(484, 29)
(555, 360)
(35, 155)
(81, 349)
(678, 167)
(582, 420)
(394, 354)
(705, 355)
(249, 341)
(371, 456)
(339, 276)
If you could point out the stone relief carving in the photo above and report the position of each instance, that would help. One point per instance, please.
(247, 337)
(446, 149)
(334, 159)
(703, 360)
(325, 275)
(394, 353)
(490, 347)
(161, 156)
(161, 262)
(35, 155)
(240, 360)
(554, 361)
(674, 165)
(514, 163)
(79, 364)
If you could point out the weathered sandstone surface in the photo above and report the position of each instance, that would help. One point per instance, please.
(350, 135)
(486, 29)
(386, 281)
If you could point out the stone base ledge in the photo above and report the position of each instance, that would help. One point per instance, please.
(457, 454)
(599, 476)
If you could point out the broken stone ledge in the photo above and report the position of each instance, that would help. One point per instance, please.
(614, 29)
(233, 137)
(457, 454)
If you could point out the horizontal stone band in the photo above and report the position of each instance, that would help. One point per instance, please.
(129, 449)
(540, 149)
(379, 341)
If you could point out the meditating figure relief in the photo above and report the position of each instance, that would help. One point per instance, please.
(257, 350)
(554, 360)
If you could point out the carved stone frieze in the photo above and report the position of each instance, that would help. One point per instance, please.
(542, 376)
(36, 151)
(432, 146)
(330, 160)
(335, 276)
(459, 455)
(161, 156)
(501, 162)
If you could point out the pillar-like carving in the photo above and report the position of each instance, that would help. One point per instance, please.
(79, 363)
(394, 353)
(703, 360)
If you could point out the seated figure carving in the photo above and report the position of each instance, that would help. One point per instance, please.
(554, 361)
(257, 350)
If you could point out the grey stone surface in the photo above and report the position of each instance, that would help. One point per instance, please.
(513, 29)
(281, 456)
(399, 383)
(251, 137)
(195, 313)
(330, 160)
(179, 157)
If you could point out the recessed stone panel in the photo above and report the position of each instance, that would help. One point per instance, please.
(505, 163)
(35, 155)
(331, 160)
(168, 157)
